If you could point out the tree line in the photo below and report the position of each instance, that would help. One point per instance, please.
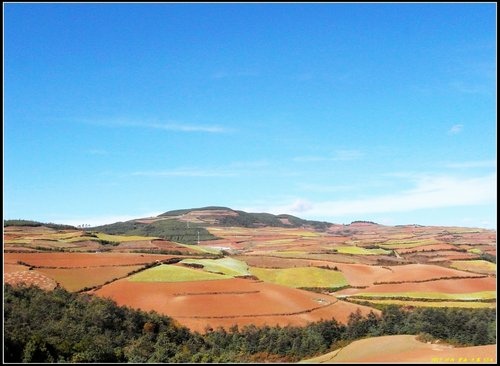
(59, 326)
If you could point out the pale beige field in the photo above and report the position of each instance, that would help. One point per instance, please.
(406, 349)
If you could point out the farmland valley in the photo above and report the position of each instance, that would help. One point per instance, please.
(214, 284)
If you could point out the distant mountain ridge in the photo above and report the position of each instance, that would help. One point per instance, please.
(225, 216)
(189, 225)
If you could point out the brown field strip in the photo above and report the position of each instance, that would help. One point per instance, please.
(77, 279)
(72, 260)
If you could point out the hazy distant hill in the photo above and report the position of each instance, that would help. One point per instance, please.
(36, 224)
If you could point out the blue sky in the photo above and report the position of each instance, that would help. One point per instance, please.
(336, 112)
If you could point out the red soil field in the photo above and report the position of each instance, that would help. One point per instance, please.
(8, 268)
(453, 286)
(76, 279)
(69, 260)
(31, 230)
(421, 272)
(427, 248)
(155, 244)
(30, 278)
(452, 256)
(14, 248)
(361, 274)
(227, 302)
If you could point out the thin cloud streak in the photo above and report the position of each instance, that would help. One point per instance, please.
(473, 164)
(170, 126)
(455, 129)
(429, 193)
(186, 173)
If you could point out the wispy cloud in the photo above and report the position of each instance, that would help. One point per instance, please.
(168, 126)
(455, 129)
(473, 164)
(429, 192)
(185, 127)
(340, 155)
(187, 172)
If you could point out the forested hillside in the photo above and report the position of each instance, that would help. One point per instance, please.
(59, 326)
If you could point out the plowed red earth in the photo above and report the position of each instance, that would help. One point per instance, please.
(452, 286)
(421, 272)
(30, 278)
(67, 260)
(228, 302)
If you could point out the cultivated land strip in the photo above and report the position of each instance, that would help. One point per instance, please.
(259, 315)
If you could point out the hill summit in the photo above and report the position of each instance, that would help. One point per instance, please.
(189, 225)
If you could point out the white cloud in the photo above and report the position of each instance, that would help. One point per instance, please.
(168, 126)
(473, 164)
(185, 127)
(429, 192)
(187, 172)
(455, 129)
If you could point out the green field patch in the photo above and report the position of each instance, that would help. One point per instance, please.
(475, 251)
(436, 304)
(462, 231)
(361, 251)
(227, 266)
(301, 277)
(18, 241)
(481, 295)
(123, 238)
(58, 236)
(200, 249)
(400, 244)
(480, 266)
(77, 239)
(277, 241)
(306, 234)
(170, 273)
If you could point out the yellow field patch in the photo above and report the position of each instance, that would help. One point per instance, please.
(478, 266)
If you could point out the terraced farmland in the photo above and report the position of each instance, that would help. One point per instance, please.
(302, 277)
(169, 273)
(263, 275)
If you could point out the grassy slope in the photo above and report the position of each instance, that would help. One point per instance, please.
(168, 273)
(227, 266)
